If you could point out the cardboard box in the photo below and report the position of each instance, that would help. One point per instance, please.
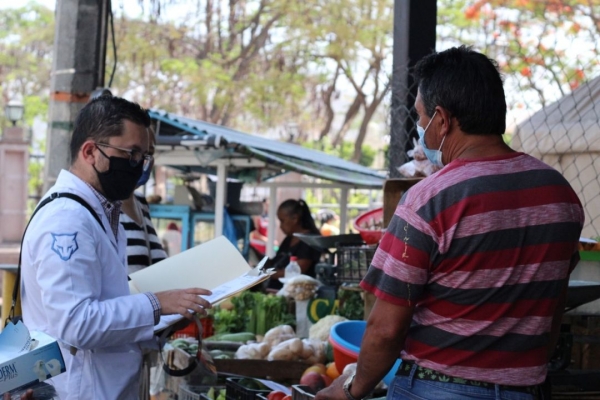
(42, 362)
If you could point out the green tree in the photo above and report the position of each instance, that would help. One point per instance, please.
(26, 38)
(544, 48)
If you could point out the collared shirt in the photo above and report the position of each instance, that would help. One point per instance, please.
(113, 212)
(111, 209)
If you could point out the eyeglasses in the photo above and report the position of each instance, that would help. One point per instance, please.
(135, 157)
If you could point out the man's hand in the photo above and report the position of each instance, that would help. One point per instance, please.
(335, 391)
(25, 396)
(184, 302)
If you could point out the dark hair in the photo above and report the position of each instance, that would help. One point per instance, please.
(325, 216)
(467, 84)
(102, 118)
(300, 208)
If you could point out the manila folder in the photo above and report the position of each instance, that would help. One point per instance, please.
(206, 266)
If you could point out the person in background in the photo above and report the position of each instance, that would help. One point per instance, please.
(172, 239)
(328, 218)
(143, 246)
(74, 283)
(294, 217)
(143, 250)
(472, 273)
(259, 235)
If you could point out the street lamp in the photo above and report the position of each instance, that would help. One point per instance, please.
(14, 111)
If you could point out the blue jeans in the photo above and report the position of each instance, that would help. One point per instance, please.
(409, 387)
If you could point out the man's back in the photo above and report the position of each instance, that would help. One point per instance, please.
(491, 244)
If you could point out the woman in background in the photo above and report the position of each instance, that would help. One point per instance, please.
(143, 249)
(143, 245)
(294, 217)
(328, 219)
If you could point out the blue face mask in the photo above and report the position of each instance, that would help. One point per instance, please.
(145, 176)
(434, 156)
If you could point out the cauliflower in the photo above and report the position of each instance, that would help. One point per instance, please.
(321, 329)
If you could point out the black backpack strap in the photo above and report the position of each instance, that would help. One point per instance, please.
(52, 197)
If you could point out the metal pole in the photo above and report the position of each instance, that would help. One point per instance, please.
(220, 198)
(414, 37)
(344, 210)
(271, 222)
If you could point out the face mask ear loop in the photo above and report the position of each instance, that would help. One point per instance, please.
(430, 120)
(440, 150)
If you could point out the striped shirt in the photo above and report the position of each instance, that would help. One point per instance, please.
(481, 249)
(143, 245)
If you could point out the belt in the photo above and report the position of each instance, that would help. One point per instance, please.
(426, 374)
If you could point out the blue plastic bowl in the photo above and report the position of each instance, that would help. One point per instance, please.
(348, 336)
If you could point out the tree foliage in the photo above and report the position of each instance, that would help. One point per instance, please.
(265, 64)
(26, 38)
(308, 70)
(544, 48)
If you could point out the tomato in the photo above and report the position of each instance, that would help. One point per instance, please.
(276, 395)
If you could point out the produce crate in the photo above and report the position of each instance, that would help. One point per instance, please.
(187, 392)
(235, 391)
(353, 263)
(192, 329)
(278, 370)
(302, 392)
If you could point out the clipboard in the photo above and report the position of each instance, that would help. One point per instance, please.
(216, 265)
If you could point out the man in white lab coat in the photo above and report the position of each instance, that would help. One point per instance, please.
(74, 261)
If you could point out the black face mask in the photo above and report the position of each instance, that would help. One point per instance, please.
(120, 180)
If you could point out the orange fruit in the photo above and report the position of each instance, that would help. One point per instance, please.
(332, 371)
(318, 368)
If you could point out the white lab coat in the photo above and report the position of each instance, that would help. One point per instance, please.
(74, 288)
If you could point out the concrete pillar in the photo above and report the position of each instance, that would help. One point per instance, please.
(77, 70)
(14, 160)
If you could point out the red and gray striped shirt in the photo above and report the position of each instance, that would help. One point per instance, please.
(481, 249)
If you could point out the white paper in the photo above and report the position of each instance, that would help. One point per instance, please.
(207, 266)
(216, 265)
(219, 293)
(15, 339)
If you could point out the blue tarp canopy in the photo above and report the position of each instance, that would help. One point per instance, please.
(181, 144)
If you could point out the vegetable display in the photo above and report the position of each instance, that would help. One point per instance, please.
(252, 312)
(351, 305)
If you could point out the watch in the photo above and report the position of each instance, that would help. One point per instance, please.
(347, 386)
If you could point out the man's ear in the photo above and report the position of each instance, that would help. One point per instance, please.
(444, 122)
(86, 152)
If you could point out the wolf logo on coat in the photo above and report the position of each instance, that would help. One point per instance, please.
(64, 244)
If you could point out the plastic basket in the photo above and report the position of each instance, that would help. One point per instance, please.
(191, 330)
(302, 392)
(353, 263)
(235, 391)
(188, 392)
(373, 234)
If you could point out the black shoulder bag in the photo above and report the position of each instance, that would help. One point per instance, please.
(15, 294)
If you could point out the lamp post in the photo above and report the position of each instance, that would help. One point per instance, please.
(14, 111)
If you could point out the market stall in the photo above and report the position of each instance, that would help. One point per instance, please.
(194, 146)
(303, 337)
